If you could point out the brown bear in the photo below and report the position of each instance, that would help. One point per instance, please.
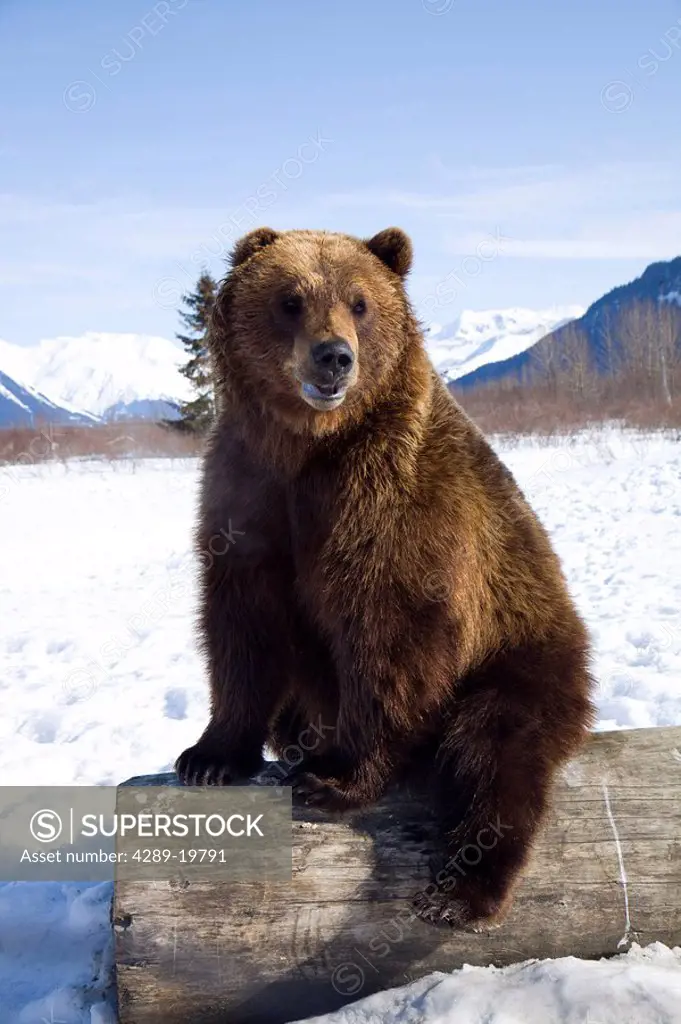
(387, 578)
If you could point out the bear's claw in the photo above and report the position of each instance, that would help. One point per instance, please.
(197, 767)
(317, 792)
(440, 909)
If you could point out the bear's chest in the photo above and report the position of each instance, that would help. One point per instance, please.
(341, 540)
(316, 523)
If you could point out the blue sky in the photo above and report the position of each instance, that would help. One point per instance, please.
(531, 149)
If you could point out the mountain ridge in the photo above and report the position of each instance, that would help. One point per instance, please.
(478, 338)
(106, 375)
(659, 282)
(22, 406)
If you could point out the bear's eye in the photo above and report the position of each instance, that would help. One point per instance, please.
(359, 307)
(292, 305)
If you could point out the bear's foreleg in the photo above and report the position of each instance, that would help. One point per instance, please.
(507, 733)
(247, 637)
(355, 769)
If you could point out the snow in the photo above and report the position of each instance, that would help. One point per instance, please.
(5, 393)
(56, 953)
(22, 406)
(642, 986)
(61, 403)
(101, 680)
(98, 370)
(478, 338)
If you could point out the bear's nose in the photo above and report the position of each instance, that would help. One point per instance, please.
(334, 356)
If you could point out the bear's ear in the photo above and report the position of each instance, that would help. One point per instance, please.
(252, 243)
(393, 247)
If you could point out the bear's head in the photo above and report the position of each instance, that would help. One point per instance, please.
(311, 324)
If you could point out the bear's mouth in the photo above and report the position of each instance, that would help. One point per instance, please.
(324, 397)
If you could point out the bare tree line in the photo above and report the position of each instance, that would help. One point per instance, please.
(111, 441)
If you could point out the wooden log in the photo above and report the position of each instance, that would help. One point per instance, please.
(606, 871)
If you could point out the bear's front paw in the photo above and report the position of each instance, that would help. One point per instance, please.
(203, 765)
(327, 794)
(439, 908)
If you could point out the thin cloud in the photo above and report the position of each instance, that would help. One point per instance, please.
(507, 194)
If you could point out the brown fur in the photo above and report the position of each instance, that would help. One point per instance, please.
(387, 579)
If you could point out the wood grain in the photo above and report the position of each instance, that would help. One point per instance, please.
(606, 871)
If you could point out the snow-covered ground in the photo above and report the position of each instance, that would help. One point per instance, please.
(642, 986)
(101, 680)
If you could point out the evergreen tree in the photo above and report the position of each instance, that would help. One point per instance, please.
(197, 414)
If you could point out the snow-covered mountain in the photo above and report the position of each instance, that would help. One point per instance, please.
(22, 406)
(478, 338)
(112, 376)
(659, 282)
